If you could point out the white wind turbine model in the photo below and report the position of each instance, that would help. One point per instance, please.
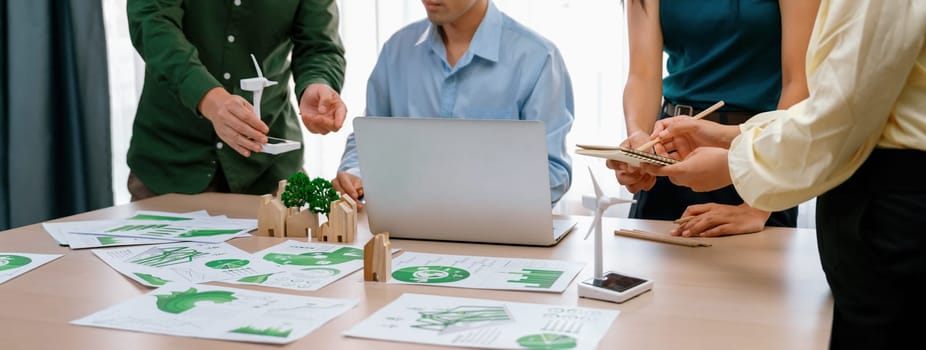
(607, 286)
(256, 86)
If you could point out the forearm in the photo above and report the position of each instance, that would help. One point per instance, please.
(792, 92)
(642, 101)
(727, 134)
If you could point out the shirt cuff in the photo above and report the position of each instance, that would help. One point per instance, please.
(195, 86)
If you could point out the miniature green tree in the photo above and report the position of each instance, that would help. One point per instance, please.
(296, 193)
(316, 193)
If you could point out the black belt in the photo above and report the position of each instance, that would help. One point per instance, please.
(723, 117)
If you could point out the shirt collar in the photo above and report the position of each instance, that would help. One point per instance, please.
(486, 42)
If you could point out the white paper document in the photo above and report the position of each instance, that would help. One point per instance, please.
(484, 272)
(223, 313)
(190, 262)
(15, 264)
(305, 266)
(488, 324)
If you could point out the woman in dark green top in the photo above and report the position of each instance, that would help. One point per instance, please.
(748, 53)
(195, 129)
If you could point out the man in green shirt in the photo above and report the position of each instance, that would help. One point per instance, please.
(194, 129)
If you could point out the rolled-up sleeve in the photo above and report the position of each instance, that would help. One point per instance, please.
(860, 57)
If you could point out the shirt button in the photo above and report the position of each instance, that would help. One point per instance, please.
(237, 2)
(219, 145)
(226, 75)
(231, 38)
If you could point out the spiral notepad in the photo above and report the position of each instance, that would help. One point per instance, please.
(621, 154)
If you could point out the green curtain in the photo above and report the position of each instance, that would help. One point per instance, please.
(54, 97)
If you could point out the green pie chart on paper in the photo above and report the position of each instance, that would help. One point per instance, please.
(227, 264)
(430, 274)
(547, 341)
(9, 262)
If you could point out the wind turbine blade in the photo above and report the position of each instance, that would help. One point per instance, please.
(598, 192)
(614, 200)
(257, 66)
(595, 222)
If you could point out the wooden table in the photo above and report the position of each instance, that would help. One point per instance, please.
(757, 291)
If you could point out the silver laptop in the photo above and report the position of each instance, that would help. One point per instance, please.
(458, 180)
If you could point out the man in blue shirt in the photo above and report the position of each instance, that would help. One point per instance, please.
(471, 61)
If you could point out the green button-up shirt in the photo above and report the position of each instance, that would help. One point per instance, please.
(190, 47)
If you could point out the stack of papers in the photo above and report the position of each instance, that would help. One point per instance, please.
(149, 227)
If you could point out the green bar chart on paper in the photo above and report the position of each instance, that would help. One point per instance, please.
(533, 278)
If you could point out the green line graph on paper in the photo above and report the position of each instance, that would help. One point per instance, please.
(536, 278)
(461, 318)
(160, 257)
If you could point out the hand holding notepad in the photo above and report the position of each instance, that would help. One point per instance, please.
(635, 157)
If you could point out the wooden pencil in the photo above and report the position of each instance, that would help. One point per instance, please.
(664, 238)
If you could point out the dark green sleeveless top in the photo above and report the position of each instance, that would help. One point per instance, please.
(722, 50)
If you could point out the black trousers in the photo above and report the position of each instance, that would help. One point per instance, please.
(871, 232)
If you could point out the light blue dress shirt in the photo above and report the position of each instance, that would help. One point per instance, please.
(508, 72)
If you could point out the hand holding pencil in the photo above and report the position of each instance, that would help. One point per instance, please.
(703, 114)
(684, 134)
